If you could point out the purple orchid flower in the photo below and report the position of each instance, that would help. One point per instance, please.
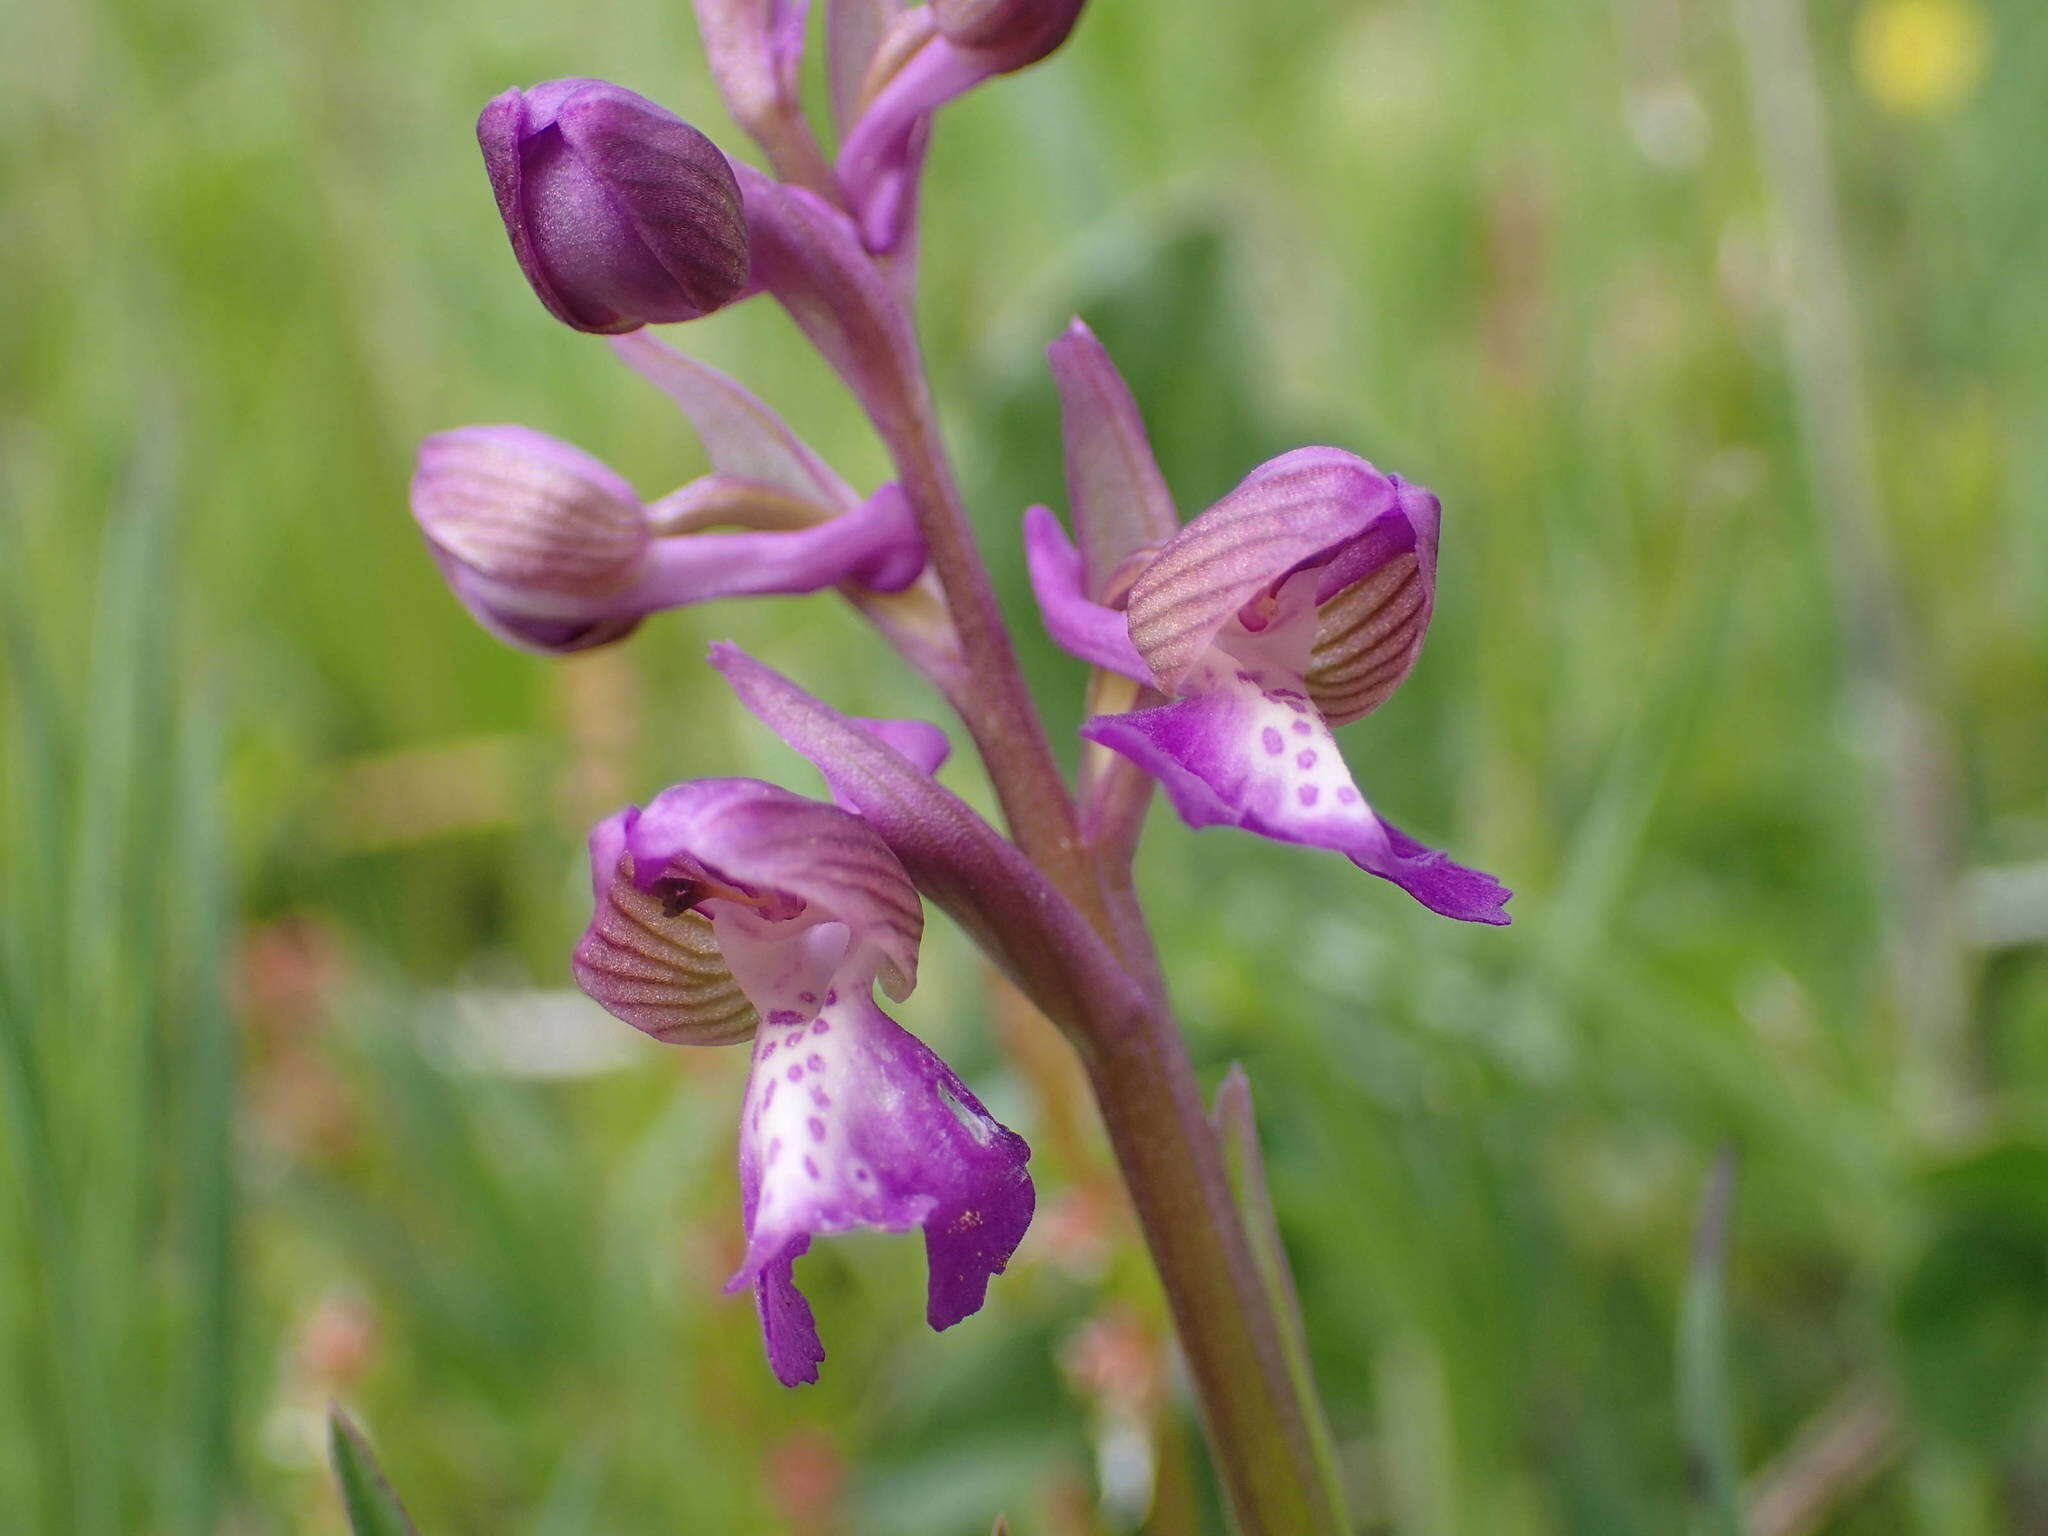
(552, 550)
(619, 211)
(1294, 605)
(730, 906)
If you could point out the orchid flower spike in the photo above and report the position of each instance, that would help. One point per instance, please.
(1296, 604)
(730, 906)
(551, 549)
(619, 211)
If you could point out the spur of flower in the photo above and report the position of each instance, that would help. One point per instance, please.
(729, 909)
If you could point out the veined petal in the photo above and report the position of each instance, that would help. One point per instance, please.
(772, 863)
(1290, 513)
(528, 511)
(1375, 600)
(1245, 750)
(1115, 492)
(850, 1122)
(742, 436)
(1097, 634)
(548, 623)
(659, 970)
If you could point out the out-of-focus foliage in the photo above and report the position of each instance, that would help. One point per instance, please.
(295, 1108)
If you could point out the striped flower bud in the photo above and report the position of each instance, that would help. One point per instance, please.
(619, 211)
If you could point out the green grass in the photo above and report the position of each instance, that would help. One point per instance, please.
(275, 808)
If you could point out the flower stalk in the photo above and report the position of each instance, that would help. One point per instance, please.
(1223, 652)
(1259, 1418)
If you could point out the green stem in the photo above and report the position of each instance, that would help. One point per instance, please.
(1256, 1410)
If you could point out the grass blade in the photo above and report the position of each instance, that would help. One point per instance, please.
(373, 1509)
(1706, 1414)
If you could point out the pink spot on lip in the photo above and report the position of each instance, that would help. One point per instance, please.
(796, 1074)
(1306, 758)
(815, 1062)
(1348, 795)
(821, 1098)
(1309, 794)
(1272, 740)
(769, 1097)
(1302, 728)
(820, 1027)
(774, 1149)
(811, 1167)
(817, 1128)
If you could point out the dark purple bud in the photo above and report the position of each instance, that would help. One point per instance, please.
(619, 211)
(1020, 31)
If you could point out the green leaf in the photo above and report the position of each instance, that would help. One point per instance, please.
(1238, 1129)
(373, 1509)
(1972, 1315)
(1706, 1414)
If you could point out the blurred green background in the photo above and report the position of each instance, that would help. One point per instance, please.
(1721, 328)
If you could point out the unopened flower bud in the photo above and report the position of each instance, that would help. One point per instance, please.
(530, 533)
(552, 550)
(1021, 31)
(619, 211)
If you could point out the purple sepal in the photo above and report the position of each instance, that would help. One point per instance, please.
(852, 1122)
(742, 436)
(1295, 512)
(619, 212)
(1247, 751)
(769, 867)
(1115, 493)
(657, 969)
(1374, 601)
(1077, 623)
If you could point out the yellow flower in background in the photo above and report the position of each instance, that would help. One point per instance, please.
(1921, 58)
